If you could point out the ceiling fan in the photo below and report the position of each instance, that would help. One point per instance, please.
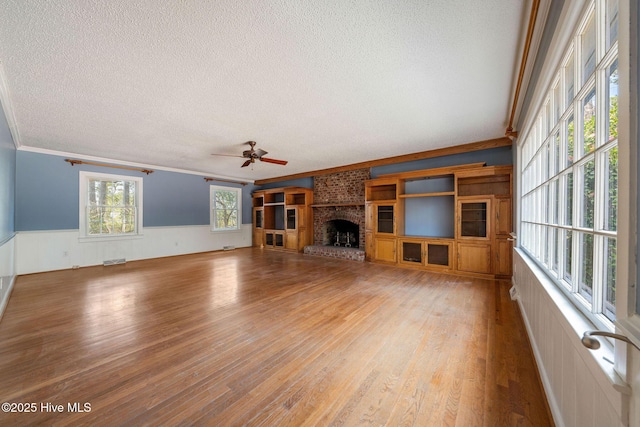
(252, 154)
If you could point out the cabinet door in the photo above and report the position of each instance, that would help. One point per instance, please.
(258, 238)
(385, 218)
(291, 219)
(411, 252)
(474, 257)
(503, 216)
(291, 240)
(368, 217)
(368, 245)
(474, 219)
(439, 254)
(301, 217)
(385, 249)
(503, 257)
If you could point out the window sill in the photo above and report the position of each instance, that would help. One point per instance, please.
(87, 239)
(235, 230)
(577, 324)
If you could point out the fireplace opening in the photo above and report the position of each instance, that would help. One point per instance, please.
(340, 232)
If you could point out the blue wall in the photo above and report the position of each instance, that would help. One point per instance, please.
(7, 180)
(492, 157)
(48, 195)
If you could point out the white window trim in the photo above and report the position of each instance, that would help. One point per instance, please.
(84, 177)
(212, 190)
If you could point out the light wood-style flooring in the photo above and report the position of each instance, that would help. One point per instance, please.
(265, 338)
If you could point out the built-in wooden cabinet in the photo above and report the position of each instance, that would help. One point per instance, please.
(454, 219)
(282, 218)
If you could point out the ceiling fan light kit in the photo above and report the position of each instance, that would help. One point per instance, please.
(252, 154)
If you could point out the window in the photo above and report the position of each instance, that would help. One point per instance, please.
(569, 208)
(110, 205)
(226, 208)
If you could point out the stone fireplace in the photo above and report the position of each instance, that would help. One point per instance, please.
(338, 212)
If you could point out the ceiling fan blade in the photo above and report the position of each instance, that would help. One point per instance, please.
(275, 161)
(245, 164)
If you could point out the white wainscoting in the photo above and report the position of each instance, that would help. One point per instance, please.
(579, 383)
(39, 251)
(7, 271)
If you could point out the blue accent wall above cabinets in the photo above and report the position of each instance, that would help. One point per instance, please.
(7, 180)
(47, 195)
(499, 156)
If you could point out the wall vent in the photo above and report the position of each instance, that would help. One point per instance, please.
(114, 261)
(228, 248)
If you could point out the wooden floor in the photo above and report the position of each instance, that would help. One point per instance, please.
(255, 337)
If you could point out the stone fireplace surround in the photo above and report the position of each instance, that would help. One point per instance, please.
(339, 196)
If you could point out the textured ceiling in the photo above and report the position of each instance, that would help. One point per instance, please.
(318, 83)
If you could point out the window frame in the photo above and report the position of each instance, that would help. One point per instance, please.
(534, 173)
(212, 217)
(84, 177)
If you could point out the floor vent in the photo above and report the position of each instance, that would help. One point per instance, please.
(228, 248)
(114, 261)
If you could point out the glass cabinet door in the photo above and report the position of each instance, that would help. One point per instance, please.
(474, 219)
(291, 219)
(385, 219)
(258, 219)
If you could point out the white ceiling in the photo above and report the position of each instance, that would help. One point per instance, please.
(318, 83)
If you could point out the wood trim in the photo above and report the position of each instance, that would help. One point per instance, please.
(439, 152)
(510, 132)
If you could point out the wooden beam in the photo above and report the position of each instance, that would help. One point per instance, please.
(439, 152)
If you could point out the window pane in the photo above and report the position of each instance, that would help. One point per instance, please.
(611, 196)
(589, 122)
(568, 217)
(569, 81)
(570, 140)
(587, 195)
(612, 101)
(554, 199)
(610, 279)
(556, 105)
(586, 266)
(111, 207)
(556, 154)
(611, 29)
(555, 246)
(568, 252)
(588, 44)
(225, 205)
